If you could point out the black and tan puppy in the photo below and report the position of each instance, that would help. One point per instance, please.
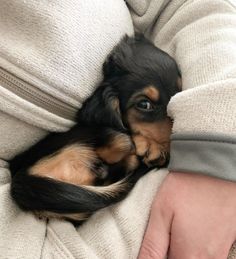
(121, 131)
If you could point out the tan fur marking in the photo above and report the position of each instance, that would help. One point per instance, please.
(132, 163)
(141, 144)
(120, 146)
(115, 104)
(158, 131)
(152, 139)
(179, 83)
(154, 153)
(72, 165)
(73, 216)
(111, 190)
(147, 148)
(152, 93)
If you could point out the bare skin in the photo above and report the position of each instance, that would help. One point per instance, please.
(192, 217)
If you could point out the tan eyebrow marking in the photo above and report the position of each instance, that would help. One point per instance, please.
(179, 83)
(152, 93)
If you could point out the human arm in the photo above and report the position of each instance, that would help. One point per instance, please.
(192, 215)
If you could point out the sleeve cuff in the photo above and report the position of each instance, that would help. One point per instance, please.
(213, 155)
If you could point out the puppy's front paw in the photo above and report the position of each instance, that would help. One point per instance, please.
(151, 152)
(119, 145)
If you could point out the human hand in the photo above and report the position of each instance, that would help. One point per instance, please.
(193, 216)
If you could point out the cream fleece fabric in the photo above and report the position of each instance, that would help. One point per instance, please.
(59, 47)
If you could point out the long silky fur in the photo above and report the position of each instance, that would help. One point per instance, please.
(64, 200)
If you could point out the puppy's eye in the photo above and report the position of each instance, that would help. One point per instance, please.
(144, 105)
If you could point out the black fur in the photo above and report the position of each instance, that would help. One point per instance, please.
(133, 64)
(45, 194)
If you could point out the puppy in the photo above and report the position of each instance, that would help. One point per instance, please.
(121, 131)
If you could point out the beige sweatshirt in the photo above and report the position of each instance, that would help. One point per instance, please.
(51, 54)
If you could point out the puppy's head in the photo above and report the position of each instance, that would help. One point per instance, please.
(139, 80)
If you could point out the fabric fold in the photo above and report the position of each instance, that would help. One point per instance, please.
(212, 155)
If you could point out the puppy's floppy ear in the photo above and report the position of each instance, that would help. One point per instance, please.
(102, 108)
(116, 63)
(112, 68)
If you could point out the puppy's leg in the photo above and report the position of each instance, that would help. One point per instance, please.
(131, 162)
(152, 153)
(84, 163)
(117, 147)
(76, 164)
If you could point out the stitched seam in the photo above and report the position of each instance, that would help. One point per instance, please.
(59, 244)
(57, 249)
(44, 240)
